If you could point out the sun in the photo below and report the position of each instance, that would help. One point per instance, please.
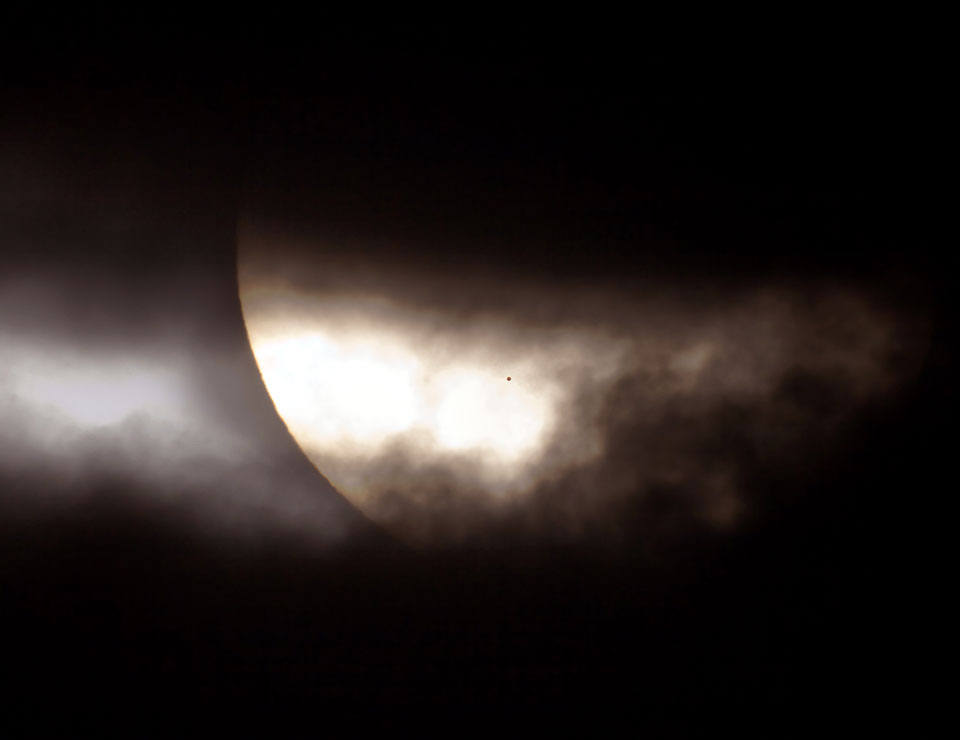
(348, 392)
(412, 410)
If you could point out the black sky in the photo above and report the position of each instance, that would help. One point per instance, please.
(232, 579)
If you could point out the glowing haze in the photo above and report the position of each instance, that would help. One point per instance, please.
(359, 379)
(360, 392)
(392, 377)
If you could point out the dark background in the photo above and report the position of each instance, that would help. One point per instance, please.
(527, 141)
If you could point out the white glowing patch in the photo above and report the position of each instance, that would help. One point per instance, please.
(360, 392)
(477, 410)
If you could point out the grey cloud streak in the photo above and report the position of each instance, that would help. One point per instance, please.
(123, 362)
(175, 423)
